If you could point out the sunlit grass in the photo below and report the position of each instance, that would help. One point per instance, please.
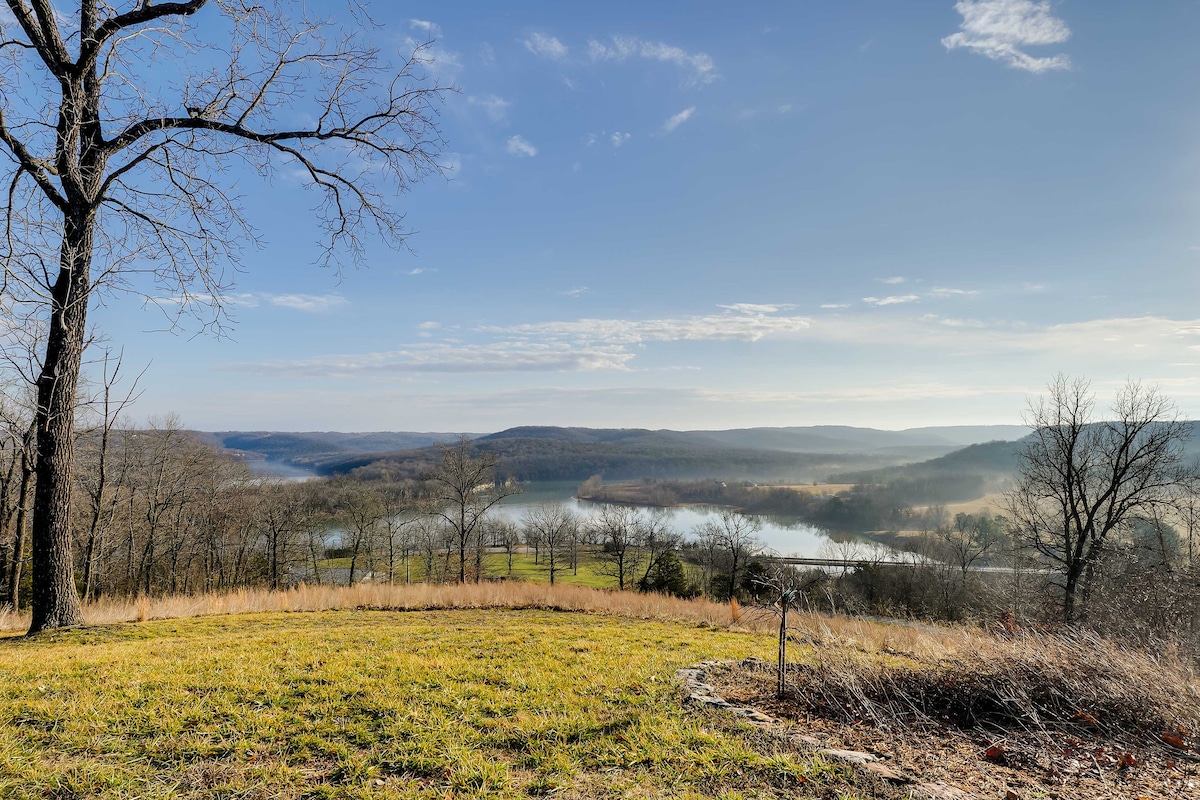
(526, 565)
(380, 704)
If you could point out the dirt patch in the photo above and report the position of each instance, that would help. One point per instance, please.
(1065, 763)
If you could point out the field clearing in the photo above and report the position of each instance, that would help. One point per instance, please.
(990, 503)
(495, 566)
(808, 488)
(371, 704)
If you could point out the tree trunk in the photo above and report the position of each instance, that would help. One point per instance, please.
(20, 535)
(55, 603)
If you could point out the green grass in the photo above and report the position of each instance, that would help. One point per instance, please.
(381, 705)
(496, 566)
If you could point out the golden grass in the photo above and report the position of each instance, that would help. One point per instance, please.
(857, 634)
(990, 503)
(808, 488)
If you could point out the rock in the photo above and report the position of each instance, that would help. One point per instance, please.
(804, 740)
(753, 715)
(887, 773)
(939, 791)
(708, 700)
(849, 756)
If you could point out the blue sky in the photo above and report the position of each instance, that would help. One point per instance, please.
(692, 215)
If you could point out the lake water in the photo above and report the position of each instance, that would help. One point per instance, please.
(279, 469)
(784, 537)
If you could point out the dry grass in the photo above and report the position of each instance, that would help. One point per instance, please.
(862, 635)
(810, 488)
(1031, 685)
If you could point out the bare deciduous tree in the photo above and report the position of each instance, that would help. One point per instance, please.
(465, 490)
(123, 121)
(1082, 480)
(737, 535)
(555, 527)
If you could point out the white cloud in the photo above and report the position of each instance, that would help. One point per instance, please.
(585, 345)
(619, 138)
(757, 308)
(700, 66)
(835, 305)
(743, 322)
(891, 301)
(1001, 29)
(578, 291)
(496, 107)
(309, 303)
(487, 55)
(893, 281)
(519, 146)
(420, 271)
(942, 291)
(678, 119)
(546, 46)
(431, 30)
(446, 357)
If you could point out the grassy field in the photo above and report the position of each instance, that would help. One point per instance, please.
(374, 704)
(495, 565)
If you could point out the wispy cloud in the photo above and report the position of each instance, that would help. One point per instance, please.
(578, 291)
(420, 271)
(700, 66)
(835, 305)
(431, 30)
(519, 146)
(446, 357)
(892, 300)
(1001, 29)
(893, 281)
(757, 308)
(546, 46)
(743, 322)
(617, 138)
(495, 107)
(678, 119)
(585, 345)
(309, 303)
(943, 291)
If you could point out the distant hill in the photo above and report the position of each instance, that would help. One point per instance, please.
(557, 453)
(544, 453)
(311, 449)
(548, 459)
(961, 475)
(846, 439)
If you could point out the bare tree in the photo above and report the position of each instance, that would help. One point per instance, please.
(465, 490)
(616, 528)
(1082, 480)
(736, 535)
(555, 527)
(655, 538)
(102, 480)
(122, 121)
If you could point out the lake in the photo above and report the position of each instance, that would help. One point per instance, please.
(785, 537)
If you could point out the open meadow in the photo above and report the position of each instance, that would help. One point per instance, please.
(519, 690)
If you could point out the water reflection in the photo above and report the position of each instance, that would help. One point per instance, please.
(785, 537)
